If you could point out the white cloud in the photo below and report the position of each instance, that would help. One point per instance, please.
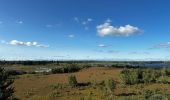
(71, 36)
(21, 43)
(166, 44)
(161, 45)
(101, 45)
(107, 29)
(89, 19)
(85, 22)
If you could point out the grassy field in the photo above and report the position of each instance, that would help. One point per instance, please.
(55, 86)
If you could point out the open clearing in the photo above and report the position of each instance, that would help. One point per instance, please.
(54, 86)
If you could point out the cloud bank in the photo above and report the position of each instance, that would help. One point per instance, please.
(161, 45)
(21, 43)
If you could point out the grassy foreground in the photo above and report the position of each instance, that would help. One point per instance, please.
(89, 87)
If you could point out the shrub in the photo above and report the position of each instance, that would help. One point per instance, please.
(149, 76)
(110, 85)
(165, 71)
(148, 93)
(133, 77)
(6, 89)
(130, 76)
(124, 76)
(72, 80)
(163, 80)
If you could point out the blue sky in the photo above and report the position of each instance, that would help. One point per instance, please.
(85, 29)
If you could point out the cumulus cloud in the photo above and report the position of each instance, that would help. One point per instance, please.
(21, 43)
(107, 29)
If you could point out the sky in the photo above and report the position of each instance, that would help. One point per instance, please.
(85, 30)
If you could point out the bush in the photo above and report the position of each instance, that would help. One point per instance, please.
(165, 71)
(148, 93)
(134, 77)
(124, 76)
(149, 76)
(163, 80)
(110, 85)
(130, 76)
(6, 90)
(72, 80)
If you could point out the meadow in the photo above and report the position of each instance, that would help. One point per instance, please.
(89, 81)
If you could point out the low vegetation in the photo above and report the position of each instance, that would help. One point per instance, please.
(85, 81)
(136, 76)
(72, 80)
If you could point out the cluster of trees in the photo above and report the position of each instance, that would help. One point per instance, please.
(66, 69)
(135, 76)
(6, 88)
(25, 62)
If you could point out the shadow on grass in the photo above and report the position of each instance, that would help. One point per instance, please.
(126, 94)
(83, 84)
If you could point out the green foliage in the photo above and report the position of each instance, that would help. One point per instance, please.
(165, 71)
(155, 95)
(72, 80)
(110, 85)
(135, 76)
(149, 76)
(124, 76)
(148, 93)
(129, 76)
(6, 89)
(54, 94)
(162, 79)
(66, 69)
